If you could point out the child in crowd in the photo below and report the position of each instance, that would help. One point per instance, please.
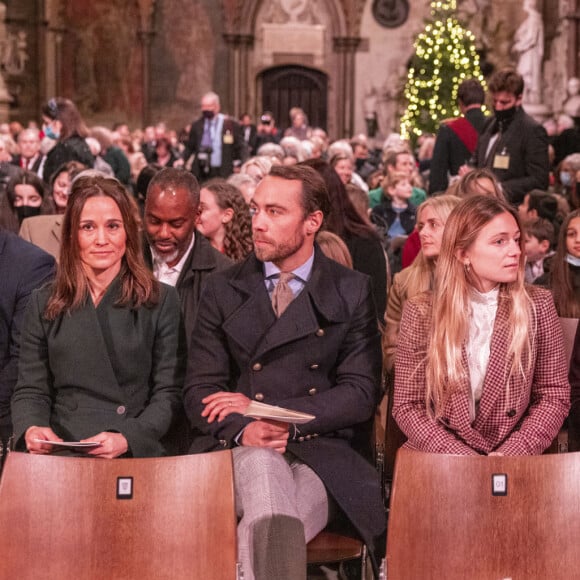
(395, 215)
(565, 268)
(539, 237)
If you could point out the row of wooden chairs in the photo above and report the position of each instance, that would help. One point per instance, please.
(65, 517)
(156, 518)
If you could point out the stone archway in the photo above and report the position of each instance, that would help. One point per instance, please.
(285, 87)
(314, 34)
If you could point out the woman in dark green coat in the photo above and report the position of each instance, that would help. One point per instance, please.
(102, 349)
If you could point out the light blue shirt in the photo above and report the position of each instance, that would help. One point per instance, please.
(301, 276)
(217, 127)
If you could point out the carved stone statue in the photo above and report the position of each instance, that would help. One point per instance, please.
(529, 47)
(5, 97)
(572, 104)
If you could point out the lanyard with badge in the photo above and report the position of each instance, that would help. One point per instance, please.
(501, 160)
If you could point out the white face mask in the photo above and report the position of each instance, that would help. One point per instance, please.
(566, 178)
(572, 260)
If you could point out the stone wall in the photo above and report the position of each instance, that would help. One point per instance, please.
(137, 60)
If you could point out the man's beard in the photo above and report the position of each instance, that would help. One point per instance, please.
(164, 258)
(276, 252)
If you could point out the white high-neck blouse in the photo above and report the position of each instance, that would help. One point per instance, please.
(483, 308)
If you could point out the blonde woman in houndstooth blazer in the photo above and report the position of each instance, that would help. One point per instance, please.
(480, 366)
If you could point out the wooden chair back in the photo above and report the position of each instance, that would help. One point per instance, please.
(63, 517)
(445, 522)
(569, 327)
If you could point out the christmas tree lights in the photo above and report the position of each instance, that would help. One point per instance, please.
(445, 55)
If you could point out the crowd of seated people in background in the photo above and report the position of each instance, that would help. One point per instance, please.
(178, 207)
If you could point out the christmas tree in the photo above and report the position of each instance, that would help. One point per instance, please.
(444, 56)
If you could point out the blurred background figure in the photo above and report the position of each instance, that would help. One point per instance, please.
(63, 124)
(224, 219)
(25, 197)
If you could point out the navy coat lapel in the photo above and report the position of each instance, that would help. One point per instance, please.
(254, 326)
(247, 323)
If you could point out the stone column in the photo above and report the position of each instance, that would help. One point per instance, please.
(246, 47)
(573, 52)
(233, 97)
(239, 48)
(346, 47)
(5, 97)
(145, 34)
(145, 38)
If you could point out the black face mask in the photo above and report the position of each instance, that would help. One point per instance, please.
(25, 211)
(207, 114)
(505, 117)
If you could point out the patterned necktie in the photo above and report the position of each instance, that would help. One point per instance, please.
(282, 294)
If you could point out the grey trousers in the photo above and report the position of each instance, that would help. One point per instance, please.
(281, 505)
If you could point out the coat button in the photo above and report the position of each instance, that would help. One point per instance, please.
(320, 332)
(223, 443)
(511, 413)
(312, 391)
(301, 439)
(314, 434)
(257, 367)
(314, 367)
(308, 437)
(121, 410)
(259, 396)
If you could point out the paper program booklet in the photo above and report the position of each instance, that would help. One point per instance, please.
(258, 410)
(87, 444)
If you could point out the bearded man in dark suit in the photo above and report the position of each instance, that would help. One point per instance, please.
(292, 328)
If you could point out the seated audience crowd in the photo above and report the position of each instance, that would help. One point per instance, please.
(156, 284)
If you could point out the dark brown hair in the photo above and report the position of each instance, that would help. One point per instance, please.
(566, 300)
(71, 287)
(65, 111)
(73, 168)
(315, 196)
(470, 92)
(238, 241)
(343, 218)
(508, 80)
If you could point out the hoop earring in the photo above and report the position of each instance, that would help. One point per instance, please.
(467, 267)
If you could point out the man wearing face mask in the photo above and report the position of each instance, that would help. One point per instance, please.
(216, 141)
(512, 144)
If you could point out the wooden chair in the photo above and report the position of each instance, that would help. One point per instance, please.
(569, 327)
(570, 433)
(446, 522)
(329, 547)
(67, 517)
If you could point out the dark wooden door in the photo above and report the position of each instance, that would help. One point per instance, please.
(295, 86)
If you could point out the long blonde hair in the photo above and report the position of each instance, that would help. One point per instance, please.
(451, 295)
(421, 271)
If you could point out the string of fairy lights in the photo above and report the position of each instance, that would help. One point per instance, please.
(445, 55)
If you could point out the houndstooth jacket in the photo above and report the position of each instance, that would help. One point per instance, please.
(520, 421)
